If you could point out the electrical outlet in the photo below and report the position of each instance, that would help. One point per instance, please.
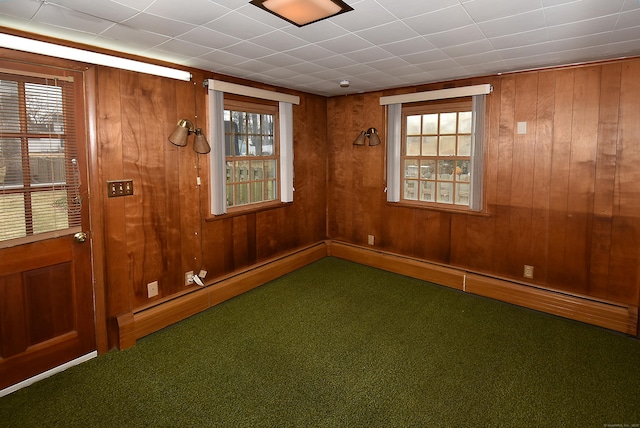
(202, 274)
(528, 271)
(188, 278)
(152, 289)
(371, 240)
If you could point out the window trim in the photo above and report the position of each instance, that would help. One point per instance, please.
(255, 106)
(454, 105)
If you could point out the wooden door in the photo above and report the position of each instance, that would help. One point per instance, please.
(46, 291)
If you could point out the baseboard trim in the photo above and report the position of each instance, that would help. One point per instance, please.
(604, 314)
(48, 373)
(137, 324)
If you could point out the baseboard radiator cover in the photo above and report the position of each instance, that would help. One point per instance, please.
(142, 322)
(612, 316)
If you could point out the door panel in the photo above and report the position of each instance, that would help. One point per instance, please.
(46, 307)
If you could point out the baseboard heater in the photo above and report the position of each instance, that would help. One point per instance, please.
(139, 323)
(613, 316)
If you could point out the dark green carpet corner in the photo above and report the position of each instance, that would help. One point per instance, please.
(337, 344)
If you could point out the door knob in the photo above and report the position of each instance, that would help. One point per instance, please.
(80, 237)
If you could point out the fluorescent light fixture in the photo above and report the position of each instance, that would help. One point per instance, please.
(50, 49)
(303, 12)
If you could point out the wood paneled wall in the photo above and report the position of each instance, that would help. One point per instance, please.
(564, 198)
(156, 234)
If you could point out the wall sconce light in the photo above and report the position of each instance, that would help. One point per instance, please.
(303, 12)
(371, 134)
(185, 128)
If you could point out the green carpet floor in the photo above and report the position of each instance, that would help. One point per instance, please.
(337, 344)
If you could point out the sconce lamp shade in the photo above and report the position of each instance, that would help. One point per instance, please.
(180, 134)
(371, 134)
(303, 12)
(359, 141)
(374, 139)
(200, 144)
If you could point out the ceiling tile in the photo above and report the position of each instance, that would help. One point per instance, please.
(159, 25)
(24, 9)
(630, 18)
(579, 42)
(221, 58)
(632, 33)
(259, 15)
(580, 11)
(365, 14)
(249, 50)
(476, 47)
(195, 12)
(459, 36)
(583, 28)
(136, 4)
(310, 52)
(336, 61)
(317, 32)
(520, 39)
(345, 44)
(369, 54)
(185, 49)
(514, 24)
(236, 25)
(409, 46)
(388, 33)
(134, 36)
(478, 59)
(279, 41)
(404, 10)
(280, 59)
(106, 9)
(61, 17)
(209, 38)
(422, 57)
(487, 10)
(524, 51)
(439, 21)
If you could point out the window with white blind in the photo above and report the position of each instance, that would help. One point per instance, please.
(39, 178)
(435, 156)
(251, 134)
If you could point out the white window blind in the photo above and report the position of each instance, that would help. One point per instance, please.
(39, 176)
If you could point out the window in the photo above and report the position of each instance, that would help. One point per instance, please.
(436, 153)
(251, 152)
(435, 147)
(39, 178)
(251, 134)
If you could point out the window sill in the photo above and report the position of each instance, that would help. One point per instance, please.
(248, 209)
(443, 209)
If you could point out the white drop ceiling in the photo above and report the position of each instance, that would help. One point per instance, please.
(380, 44)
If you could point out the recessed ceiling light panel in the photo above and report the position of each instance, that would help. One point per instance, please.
(303, 12)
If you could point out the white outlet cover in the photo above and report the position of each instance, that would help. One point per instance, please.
(522, 128)
(152, 289)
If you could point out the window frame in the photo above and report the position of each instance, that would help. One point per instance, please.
(68, 138)
(453, 105)
(249, 105)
